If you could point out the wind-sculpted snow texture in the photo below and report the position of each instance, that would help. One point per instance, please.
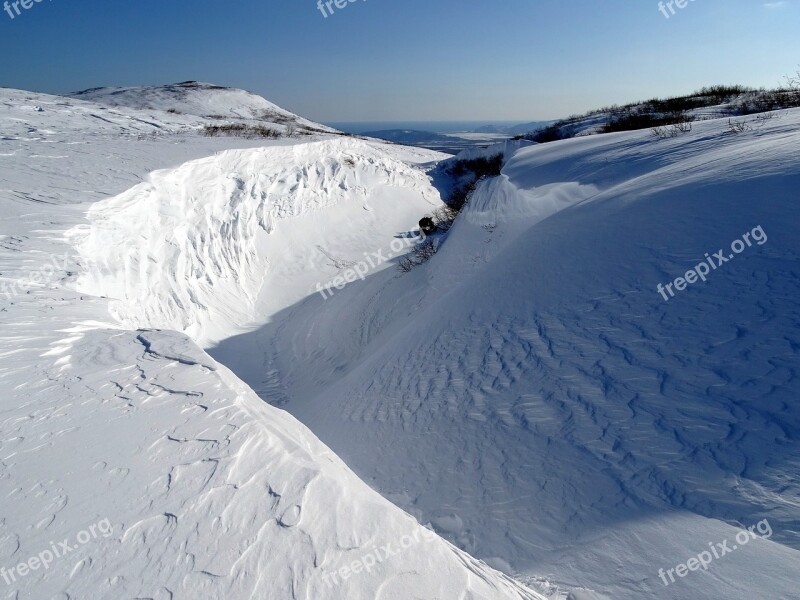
(527, 391)
(530, 393)
(210, 492)
(207, 491)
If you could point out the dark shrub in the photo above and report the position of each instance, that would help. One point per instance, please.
(631, 121)
(426, 225)
(241, 130)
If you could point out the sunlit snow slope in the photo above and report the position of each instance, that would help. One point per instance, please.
(164, 475)
(218, 243)
(210, 102)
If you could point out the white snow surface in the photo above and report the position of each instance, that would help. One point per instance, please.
(530, 393)
(164, 474)
(527, 391)
(211, 102)
(201, 244)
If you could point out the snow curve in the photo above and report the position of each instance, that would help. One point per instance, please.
(190, 249)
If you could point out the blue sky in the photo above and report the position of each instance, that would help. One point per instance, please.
(402, 60)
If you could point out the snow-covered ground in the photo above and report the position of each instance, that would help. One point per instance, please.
(528, 391)
(703, 108)
(531, 393)
(133, 464)
(197, 99)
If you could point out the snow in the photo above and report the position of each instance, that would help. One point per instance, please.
(198, 487)
(527, 392)
(211, 102)
(554, 413)
(210, 491)
(215, 244)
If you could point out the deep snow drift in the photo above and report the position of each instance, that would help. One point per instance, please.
(224, 241)
(164, 475)
(531, 393)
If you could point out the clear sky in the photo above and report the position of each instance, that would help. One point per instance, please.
(402, 60)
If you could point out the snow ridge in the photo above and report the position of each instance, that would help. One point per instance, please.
(187, 249)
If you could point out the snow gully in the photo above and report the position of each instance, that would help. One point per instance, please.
(360, 269)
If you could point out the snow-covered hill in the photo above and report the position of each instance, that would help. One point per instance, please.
(133, 464)
(205, 100)
(715, 102)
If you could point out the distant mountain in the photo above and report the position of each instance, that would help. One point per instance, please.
(408, 136)
(512, 129)
(450, 144)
